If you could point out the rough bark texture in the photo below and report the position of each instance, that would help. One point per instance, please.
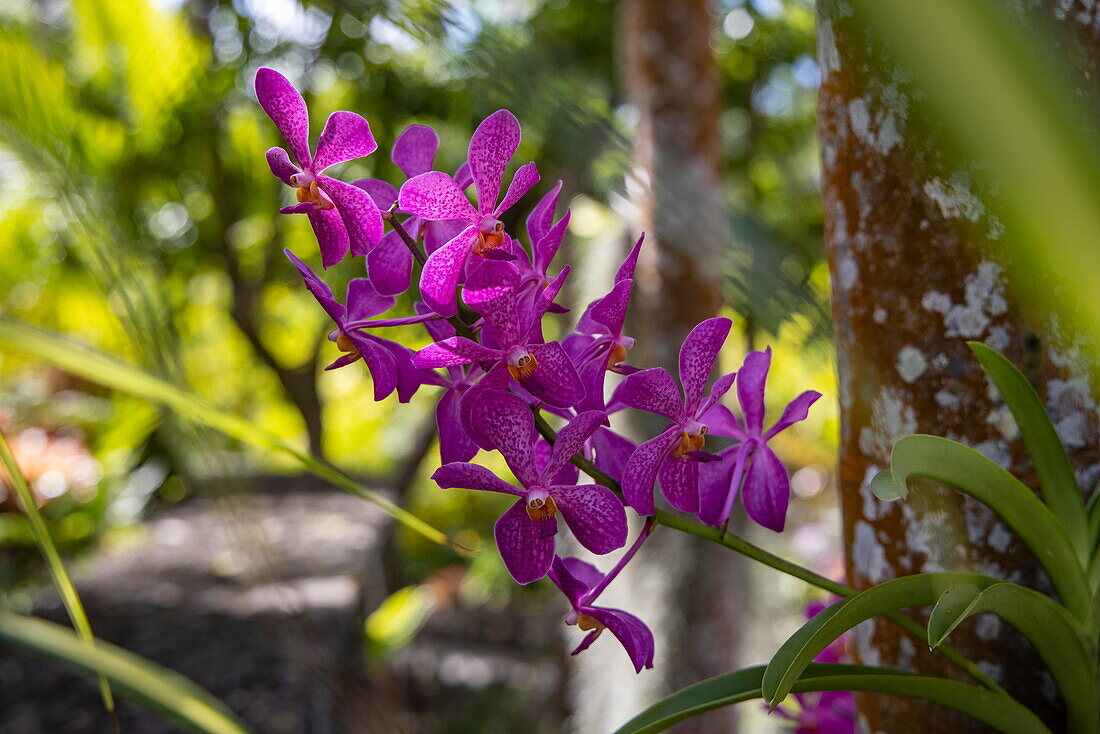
(912, 246)
(687, 592)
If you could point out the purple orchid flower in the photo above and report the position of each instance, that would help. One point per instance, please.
(342, 215)
(599, 345)
(390, 262)
(582, 583)
(435, 195)
(767, 486)
(675, 454)
(512, 345)
(525, 533)
(545, 236)
(390, 364)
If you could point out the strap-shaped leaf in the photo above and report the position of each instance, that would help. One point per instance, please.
(110, 371)
(884, 487)
(973, 474)
(1056, 477)
(167, 694)
(794, 655)
(1057, 637)
(996, 709)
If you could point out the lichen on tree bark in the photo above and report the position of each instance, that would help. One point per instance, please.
(912, 239)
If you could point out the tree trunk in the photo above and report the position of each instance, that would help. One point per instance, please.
(688, 593)
(912, 247)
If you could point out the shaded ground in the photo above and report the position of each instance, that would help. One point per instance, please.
(259, 599)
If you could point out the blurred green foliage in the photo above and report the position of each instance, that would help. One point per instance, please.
(138, 213)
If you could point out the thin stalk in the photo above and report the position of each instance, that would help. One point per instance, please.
(745, 548)
(61, 580)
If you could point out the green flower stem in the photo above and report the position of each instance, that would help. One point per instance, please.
(745, 548)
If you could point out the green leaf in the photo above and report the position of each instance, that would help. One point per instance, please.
(162, 691)
(1056, 477)
(803, 646)
(995, 709)
(1060, 641)
(110, 371)
(60, 576)
(397, 619)
(973, 474)
(884, 487)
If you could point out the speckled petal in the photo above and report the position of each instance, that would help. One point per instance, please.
(631, 632)
(555, 380)
(594, 514)
(612, 452)
(318, 288)
(439, 280)
(332, 236)
(573, 584)
(361, 217)
(279, 162)
(641, 470)
(697, 357)
(494, 380)
(541, 217)
(767, 489)
(526, 177)
(491, 148)
(363, 301)
(750, 389)
(460, 475)
(457, 350)
(526, 545)
(679, 480)
(796, 411)
(380, 363)
(508, 424)
(572, 437)
(546, 247)
(389, 265)
(286, 108)
(454, 444)
(626, 270)
(415, 149)
(610, 311)
(435, 195)
(653, 390)
(346, 136)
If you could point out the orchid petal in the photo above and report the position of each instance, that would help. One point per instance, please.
(652, 390)
(454, 443)
(524, 180)
(679, 480)
(572, 437)
(363, 301)
(750, 389)
(332, 235)
(346, 136)
(767, 490)
(546, 247)
(541, 217)
(439, 279)
(594, 514)
(797, 410)
(286, 108)
(279, 162)
(435, 195)
(460, 475)
(641, 470)
(508, 424)
(697, 357)
(526, 545)
(612, 452)
(390, 265)
(415, 149)
(635, 637)
(626, 270)
(361, 217)
(457, 350)
(382, 192)
(491, 148)
(555, 380)
(318, 288)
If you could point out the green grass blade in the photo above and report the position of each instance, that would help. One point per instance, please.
(162, 691)
(1056, 477)
(794, 655)
(996, 709)
(110, 371)
(972, 473)
(1057, 637)
(60, 576)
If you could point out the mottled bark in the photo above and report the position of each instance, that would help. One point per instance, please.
(687, 592)
(913, 251)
